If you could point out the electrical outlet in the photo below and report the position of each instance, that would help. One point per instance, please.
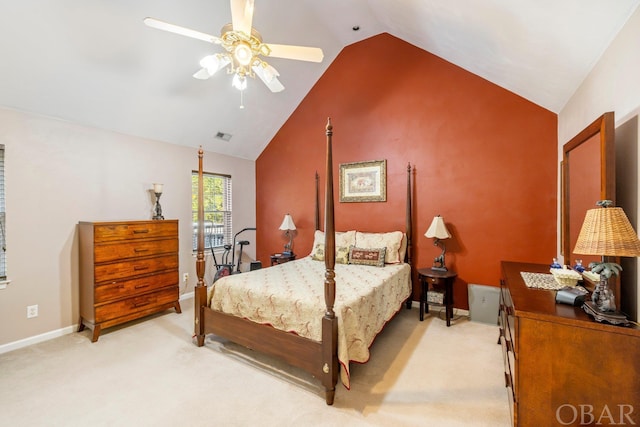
(185, 277)
(32, 311)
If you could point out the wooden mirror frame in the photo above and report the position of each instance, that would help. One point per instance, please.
(603, 129)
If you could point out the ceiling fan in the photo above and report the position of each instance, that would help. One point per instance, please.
(244, 49)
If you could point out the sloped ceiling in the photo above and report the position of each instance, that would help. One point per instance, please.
(94, 62)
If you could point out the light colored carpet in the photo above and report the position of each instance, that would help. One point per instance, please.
(151, 374)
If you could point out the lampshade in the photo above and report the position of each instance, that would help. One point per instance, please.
(287, 223)
(607, 231)
(239, 82)
(437, 229)
(157, 188)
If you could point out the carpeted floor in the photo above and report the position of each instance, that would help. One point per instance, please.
(150, 373)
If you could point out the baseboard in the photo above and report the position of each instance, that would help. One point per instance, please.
(188, 295)
(5, 348)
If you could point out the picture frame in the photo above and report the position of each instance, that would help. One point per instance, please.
(363, 181)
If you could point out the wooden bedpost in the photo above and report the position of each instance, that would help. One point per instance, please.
(409, 229)
(329, 321)
(201, 289)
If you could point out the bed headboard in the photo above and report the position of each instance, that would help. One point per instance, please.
(408, 212)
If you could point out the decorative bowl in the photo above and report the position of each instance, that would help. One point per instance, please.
(565, 276)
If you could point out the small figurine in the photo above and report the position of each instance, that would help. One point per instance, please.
(555, 264)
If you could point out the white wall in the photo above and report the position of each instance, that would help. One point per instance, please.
(612, 85)
(58, 173)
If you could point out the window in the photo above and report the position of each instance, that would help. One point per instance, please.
(3, 241)
(217, 209)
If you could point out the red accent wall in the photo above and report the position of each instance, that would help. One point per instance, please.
(485, 159)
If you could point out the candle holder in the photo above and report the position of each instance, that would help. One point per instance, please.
(157, 189)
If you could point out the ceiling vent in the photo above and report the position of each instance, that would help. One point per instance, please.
(223, 136)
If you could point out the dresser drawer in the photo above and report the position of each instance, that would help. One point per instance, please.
(134, 267)
(127, 288)
(108, 232)
(127, 306)
(133, 249)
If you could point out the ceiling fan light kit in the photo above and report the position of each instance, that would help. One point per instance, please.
(243, 49)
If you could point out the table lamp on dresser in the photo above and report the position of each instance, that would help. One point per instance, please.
(606, 231)
(157, 190)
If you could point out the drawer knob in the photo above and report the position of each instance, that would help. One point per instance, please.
(140, 231)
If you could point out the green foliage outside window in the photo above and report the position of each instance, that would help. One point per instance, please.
(217, 208)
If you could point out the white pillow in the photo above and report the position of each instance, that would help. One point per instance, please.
(343, 239)
(392, 240)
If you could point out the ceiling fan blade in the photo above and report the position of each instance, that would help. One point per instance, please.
(242, 15)
(269, 76)
(301, 53)
(165, 26)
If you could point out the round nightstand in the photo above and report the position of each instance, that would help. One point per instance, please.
(440, 280)
(281, 258)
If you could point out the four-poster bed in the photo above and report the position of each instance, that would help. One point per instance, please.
(321, 341)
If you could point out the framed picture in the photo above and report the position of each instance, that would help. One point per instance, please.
(363, 181)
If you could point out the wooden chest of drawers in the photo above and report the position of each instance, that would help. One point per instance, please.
(127, 270)
(561, 367)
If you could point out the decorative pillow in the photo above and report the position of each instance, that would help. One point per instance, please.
(342, 253)
(392, 241)
(403, 247)
(343, 238)
(367, 256)
(318, 252)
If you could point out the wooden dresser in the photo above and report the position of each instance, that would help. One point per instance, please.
(127, 270)
(561, 367)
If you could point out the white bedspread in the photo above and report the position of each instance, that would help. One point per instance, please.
(290, 297)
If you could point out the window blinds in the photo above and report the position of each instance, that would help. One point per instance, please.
(3, 228)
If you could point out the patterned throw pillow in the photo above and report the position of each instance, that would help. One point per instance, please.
(369, 256)
(342, 253)
(318, 252)
(393, 241)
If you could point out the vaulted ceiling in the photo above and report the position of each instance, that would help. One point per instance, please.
(94, 62)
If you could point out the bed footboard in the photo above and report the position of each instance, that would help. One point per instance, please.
(320, 359)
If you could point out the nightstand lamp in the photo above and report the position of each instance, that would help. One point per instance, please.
(438, 230)
(288, 226)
